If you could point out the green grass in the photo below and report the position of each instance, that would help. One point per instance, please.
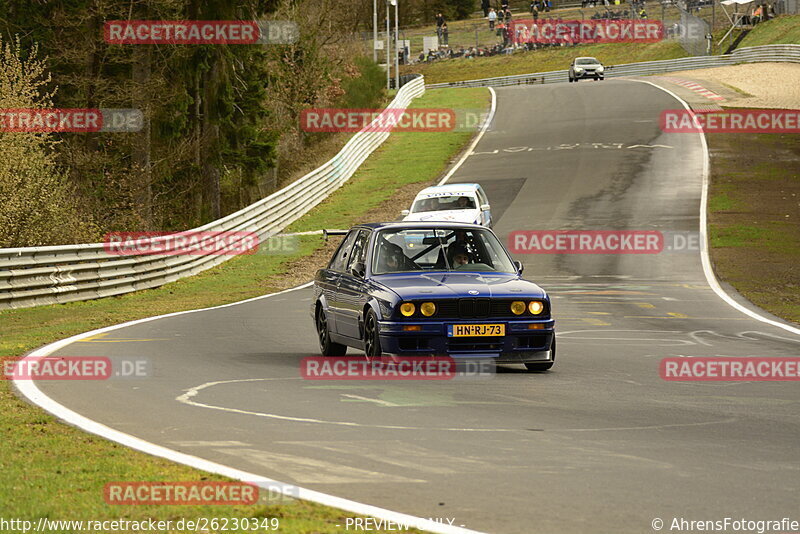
(754, 217)
(737, 235)
(544, 60)
(48, 469)
(722, 201)
(425, 155)
(781, 30)
(784, 29)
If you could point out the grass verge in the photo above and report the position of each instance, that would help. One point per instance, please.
(754, 217)
(51, 470)
(548, 59)
(784, 29)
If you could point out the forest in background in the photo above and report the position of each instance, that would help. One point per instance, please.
(221, 121)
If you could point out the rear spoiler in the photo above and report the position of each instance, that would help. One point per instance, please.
(327, 233)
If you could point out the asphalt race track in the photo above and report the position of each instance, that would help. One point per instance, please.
(599, 444)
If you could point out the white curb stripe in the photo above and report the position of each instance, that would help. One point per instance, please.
(468, 151)
(29, 389)
(706, 260)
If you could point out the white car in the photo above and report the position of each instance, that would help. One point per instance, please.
(466, 203)
(586, 67)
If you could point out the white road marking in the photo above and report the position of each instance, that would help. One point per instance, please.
(30, 390)
(368, 399)
(704, 256)
(468, 151)
(187, 397)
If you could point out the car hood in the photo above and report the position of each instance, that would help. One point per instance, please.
(458, 285)
(589, 66)
(466, 216)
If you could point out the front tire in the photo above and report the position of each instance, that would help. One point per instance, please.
(326, 346)
(372, 340)
(540, 367)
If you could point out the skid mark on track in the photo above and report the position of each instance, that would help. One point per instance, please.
(210, 443)
(404, 455)
(187, 397)
(311, 470)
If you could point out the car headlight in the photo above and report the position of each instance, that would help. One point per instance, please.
(407, 309)
(601, 68)
(518, 307)
(535, 307)
(578, 69)
(427, 308)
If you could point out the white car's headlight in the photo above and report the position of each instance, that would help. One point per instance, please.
(578, 69)
(600, 68)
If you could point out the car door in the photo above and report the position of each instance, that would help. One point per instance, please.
(350, 296)
(329, 279)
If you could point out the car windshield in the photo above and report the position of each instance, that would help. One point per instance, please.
(444, 202)
(438, 249)
(586, 61)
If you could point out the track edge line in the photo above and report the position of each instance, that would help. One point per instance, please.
(708, 271)
(30, 391)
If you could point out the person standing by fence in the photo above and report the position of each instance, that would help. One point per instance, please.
(492, 19)
(439, 24)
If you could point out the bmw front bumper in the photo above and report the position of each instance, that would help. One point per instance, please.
(525, 340)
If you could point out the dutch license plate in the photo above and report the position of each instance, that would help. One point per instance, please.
(476, 330)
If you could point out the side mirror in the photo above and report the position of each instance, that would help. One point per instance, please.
(519, 266)
(359, 270)
(485, 207)
(405, 213)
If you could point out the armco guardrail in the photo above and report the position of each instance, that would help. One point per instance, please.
(753, 54)
(35, 276)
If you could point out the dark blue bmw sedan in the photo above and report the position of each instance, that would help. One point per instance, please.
(416, 289)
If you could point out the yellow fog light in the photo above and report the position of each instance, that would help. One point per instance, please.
(535, 307)
(407, 309)
(427, 308)
(518, 307)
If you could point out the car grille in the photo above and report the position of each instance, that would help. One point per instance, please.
(475, 344)
(478, 308)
